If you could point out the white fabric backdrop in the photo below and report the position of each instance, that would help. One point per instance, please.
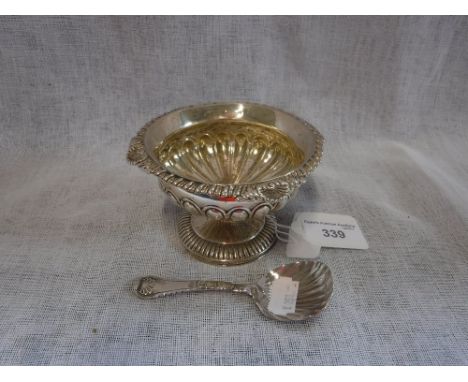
(77, 223)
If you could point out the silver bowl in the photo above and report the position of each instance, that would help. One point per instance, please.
(229, 165)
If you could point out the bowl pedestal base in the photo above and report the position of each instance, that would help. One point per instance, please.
(225, 242)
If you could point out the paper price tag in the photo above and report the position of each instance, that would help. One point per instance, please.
(283, 295)
(331, 230)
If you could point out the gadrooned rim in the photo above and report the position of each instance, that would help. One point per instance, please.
(137, 155)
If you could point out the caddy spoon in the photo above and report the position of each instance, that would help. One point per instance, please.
(230, 166)
(315, 286)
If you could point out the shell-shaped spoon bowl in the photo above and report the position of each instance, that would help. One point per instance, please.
(315, 289)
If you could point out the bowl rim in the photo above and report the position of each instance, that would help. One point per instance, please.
(138, 156)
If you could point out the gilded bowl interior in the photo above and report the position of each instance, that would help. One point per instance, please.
(229, 152)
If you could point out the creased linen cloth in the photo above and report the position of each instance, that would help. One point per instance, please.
(78, 223)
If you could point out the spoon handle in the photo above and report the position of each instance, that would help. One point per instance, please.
(152, 287)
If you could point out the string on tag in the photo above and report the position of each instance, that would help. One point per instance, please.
(282, 232)
(296, 241)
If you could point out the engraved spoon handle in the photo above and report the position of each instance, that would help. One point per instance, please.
(152, 287)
